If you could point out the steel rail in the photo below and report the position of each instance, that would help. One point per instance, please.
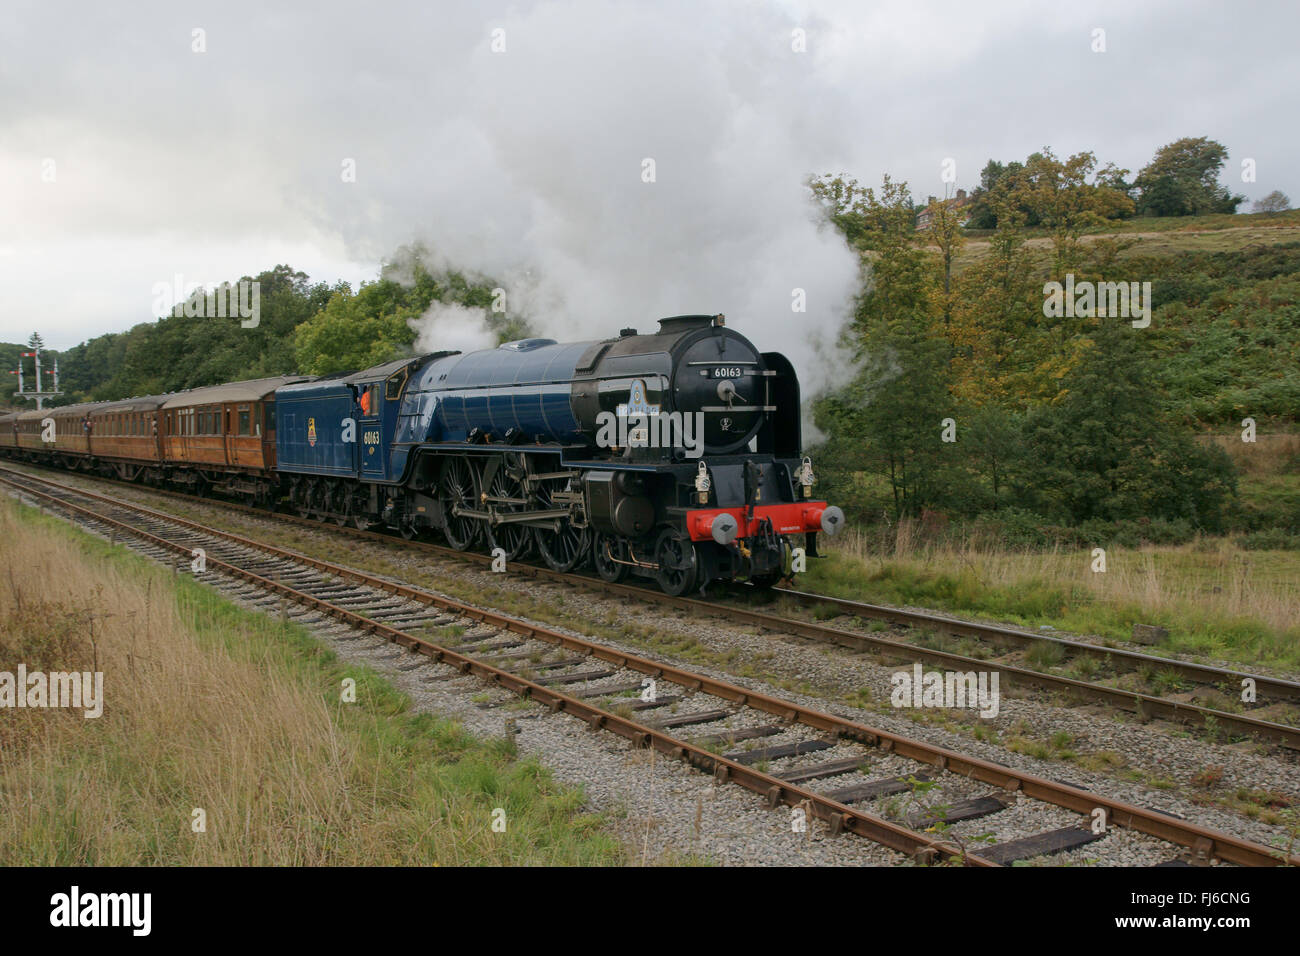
(1201, 673)
(1202, 840)
(1145, 705)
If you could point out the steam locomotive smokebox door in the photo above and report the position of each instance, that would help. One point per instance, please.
(617, 503)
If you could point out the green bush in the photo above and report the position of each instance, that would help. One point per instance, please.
(1274, 539)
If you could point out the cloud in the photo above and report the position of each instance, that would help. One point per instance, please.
(526, 164)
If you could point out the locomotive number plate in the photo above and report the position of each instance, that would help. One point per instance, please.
(728, 371)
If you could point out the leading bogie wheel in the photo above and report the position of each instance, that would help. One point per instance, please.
(678, 563)
(608, 554)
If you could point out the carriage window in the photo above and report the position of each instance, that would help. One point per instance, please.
(244, 422)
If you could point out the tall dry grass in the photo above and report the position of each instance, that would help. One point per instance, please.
(211, 708)
(1214, 595)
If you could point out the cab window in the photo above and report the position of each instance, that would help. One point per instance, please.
(393, 389)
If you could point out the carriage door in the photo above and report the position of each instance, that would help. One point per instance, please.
(264, 416)
(370, 405)
(228, 435)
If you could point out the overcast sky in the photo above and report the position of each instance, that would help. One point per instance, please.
(527, 163)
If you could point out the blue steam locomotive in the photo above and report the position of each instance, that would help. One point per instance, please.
(674, 455)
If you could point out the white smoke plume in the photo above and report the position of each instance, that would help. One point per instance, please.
(449, 326)
(610, 167)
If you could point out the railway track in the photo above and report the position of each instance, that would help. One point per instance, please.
(700, 722)
(1269, 690)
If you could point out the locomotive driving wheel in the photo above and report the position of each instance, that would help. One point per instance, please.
(678, 564)
(514, 539)
(459, 488)
(563, 547)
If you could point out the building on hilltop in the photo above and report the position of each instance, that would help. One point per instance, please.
(961, 203)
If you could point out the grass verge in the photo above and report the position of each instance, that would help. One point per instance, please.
(210, 707)
(1216, 599)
